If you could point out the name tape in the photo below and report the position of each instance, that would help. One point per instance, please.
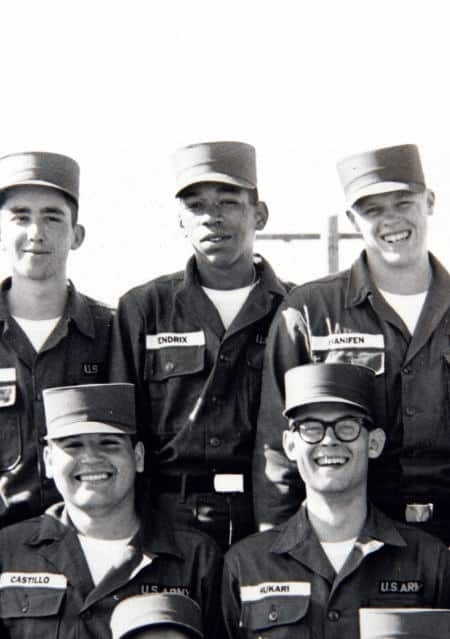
(32, 580)
(7, 374)
(167, 340)
(337, 341)
(271, 588)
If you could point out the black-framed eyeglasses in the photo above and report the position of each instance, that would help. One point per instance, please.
(345, 429)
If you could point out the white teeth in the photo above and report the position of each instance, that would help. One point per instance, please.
(330, 461)
(396, 237)
(93, 477)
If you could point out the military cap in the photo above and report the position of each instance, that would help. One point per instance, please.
(89, 408)
(227, 162)
(394, 168)
(409, 623)
(144, 611)
(40, 168)
(347, 383)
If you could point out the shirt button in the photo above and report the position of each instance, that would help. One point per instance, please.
(169, 367)
(273, 615)
(223, 358)
(333, 615)
(406, 371)
(25, 607)
(410, 412)
(215, 442)
(87, 614)
(214, 399)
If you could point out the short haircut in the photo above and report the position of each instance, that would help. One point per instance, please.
(70, 201)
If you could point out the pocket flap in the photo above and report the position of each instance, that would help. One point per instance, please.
(30, 602)
(173, 361)
(7, 387)
(274, 611)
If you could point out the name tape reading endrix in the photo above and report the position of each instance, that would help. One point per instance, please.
(346, 340)
(32, 580)
(167, 340)
(275, 588)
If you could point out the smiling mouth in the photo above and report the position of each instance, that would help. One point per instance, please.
(399, 236)
(93, 477)
(216, 239)
(331, 460)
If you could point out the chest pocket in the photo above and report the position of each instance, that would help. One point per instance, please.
(276, 617)
(174, 354)
(21, 603)
(10, 437)
(365, 349)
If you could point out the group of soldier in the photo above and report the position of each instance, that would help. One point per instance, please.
(304, 431)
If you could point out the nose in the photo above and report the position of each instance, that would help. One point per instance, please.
(329, 437)
(213, 214)
(35, 231)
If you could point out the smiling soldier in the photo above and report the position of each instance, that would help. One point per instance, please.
(193, 344)
(309, 576)
(391, 312)
(63, 573)
(51, 335)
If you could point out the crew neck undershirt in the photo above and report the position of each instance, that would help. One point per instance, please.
(228, 303)
(37, 331)
(408, 307)
(338, 551)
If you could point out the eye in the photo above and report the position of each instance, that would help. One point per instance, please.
(195, 205)
(372, 211)
(228, 203)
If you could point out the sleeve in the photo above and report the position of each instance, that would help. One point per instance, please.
(442, 574)
(231, 602)
(278, 489)
(127, 355)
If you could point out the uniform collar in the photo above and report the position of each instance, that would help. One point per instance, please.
(298, 532)
(155, 536)
(76, 309)
(265, 274)
(360, 283)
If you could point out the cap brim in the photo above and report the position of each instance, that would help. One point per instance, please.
(382, 187)
(51, 185)
(222, 178)
(88, 428)
(319, 399)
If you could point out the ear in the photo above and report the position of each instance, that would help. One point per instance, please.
(290, 440)
(78, 236)
(139, 455)
(261, 215)
(377, 439)
(351, 216)
(431, 200)
(48, 462)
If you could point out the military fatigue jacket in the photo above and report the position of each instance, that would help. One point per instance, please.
(46, 589)
(197, 385)
(344, 318)
(281, 584)
(74, 353)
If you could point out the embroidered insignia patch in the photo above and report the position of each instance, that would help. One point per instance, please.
(400, 587)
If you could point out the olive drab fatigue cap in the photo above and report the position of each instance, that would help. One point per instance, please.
(394, 168)
(39, 168)
(412, 623)
(227, 162)
(89, 408)
(145, 611)
(347, 383)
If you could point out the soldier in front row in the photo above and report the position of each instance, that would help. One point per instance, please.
(309, 576)
(50, 334)
(63, 573)
(391, 312)
(193, 343)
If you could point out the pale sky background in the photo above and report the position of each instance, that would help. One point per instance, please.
(120, 85)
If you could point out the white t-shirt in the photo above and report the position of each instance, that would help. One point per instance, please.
(338, 551)
(408, 307)
(229, 303)
(37, 331)
(103, 554)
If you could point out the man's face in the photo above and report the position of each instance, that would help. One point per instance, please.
(394, 225)
(159, 632)
(333, 466)
(37, 233)
(220, 222)
(96, 471)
